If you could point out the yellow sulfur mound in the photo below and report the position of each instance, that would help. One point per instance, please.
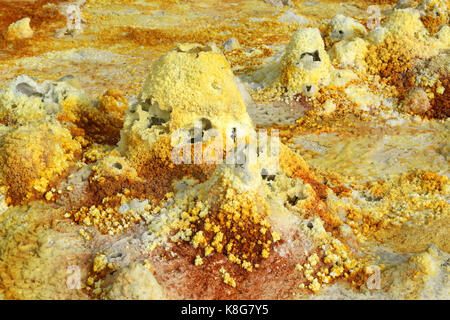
(190, 94)
(305, 65)
(192, 82)
(33, 156)
(19, 30)
(344, 28)
(407, 29)
(405, 21)
(350, 53)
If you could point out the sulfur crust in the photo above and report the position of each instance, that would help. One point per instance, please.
(24, 108)
(443, 35)
(33, 155)
(350, 53)
(405, 26)
(66, 102)
(405, 21)
(36, 258)
(417, 277)
(134, 282)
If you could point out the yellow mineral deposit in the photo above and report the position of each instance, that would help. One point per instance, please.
(19, 30)
(306, 65)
